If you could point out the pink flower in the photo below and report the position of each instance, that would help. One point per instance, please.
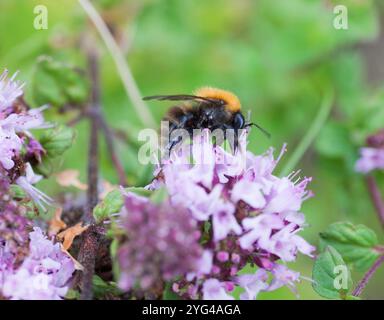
(284, 243)
(10, 145)
(283, 195)
(162, 243)
(224, 221)
(230, 165)
(213, 289)
(23, 285)
(10, 90)
(250, 192)
(7, 258)
(15, 123)
(23, 122)
(282, 276)
(35, 149)
(244, 211)
(260, 167)
(204, 266)
(26, 183)
(253, 284)
(370, 159)
(43, 275)
(40, 246)
(259, 228)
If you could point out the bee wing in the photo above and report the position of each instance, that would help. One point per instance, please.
(179, 97)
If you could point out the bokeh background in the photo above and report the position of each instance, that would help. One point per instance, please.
(280, 57)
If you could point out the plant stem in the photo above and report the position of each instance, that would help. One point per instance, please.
(93, 164)
(376, 197)
(363, 282)
(108, 134)
(91, 237)
(109, 138)
(121, 65)
(87, 258)
(313, 131)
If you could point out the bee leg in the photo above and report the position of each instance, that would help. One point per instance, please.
(174, 126)
(233, 143)
(172, 143)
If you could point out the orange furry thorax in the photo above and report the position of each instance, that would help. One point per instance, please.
(232, 102)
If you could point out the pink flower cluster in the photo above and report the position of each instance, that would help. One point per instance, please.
(245, 215)
(31, 266)
(370, 159)
(16, 141)
(162, 243)
(372, 156)
(43, 274)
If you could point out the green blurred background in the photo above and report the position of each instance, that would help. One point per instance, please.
(279, 57)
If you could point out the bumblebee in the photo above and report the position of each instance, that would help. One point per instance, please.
(209, 108)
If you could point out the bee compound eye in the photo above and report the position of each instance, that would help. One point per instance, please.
(238, 121)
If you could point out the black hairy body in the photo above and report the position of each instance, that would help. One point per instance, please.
(210, 108)
(203, 115)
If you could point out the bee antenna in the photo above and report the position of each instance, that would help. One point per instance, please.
(260, 128)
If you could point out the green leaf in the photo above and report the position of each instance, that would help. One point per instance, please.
(58, 83)
(72, 294)
(57, 140)
(329, 280)
(356, 244)
(169, 294)
(159, 195)
(17, 192)
(140, 191)
(115, 265)
(102, 288)
(45, 167)
(351, 297)
(112, 203)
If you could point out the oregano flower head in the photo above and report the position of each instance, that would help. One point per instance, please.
(245, 215)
